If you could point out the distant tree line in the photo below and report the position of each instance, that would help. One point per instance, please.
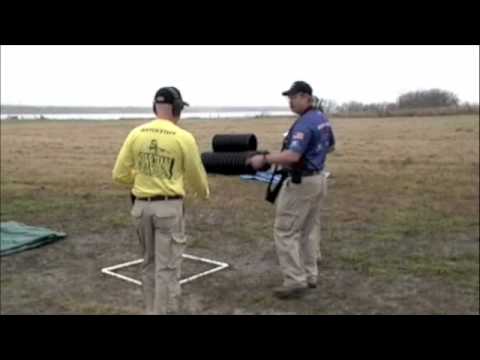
(427, 98)
(420, 102)
(428, 102)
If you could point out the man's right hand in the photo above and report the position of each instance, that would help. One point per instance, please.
(258, 162)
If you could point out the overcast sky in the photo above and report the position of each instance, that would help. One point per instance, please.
(231, 75)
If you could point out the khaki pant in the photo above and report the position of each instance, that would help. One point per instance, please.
(297, 228)
(161, 230)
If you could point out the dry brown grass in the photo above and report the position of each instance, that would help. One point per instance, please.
(403, 203)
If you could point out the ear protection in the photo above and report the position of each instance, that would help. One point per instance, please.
(177, 105)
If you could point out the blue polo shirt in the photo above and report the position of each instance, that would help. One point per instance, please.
(312, 136)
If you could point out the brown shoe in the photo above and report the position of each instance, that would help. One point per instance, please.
(289, 292)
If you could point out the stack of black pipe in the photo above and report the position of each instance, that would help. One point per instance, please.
(230, 153)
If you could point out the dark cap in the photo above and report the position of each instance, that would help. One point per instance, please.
(298, 87)
(167, 95)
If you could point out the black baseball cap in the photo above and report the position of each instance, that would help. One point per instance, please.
(298, 87)
(166, 95)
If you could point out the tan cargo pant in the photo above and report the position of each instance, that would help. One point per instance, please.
(161, 231)
(297, 228)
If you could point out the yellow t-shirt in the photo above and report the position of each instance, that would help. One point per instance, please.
(160, 158)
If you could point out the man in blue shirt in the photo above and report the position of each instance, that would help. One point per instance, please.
(297, 216)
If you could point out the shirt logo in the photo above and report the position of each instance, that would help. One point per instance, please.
(153, 146)
(294, 143)
(298, 136)
(151, 163)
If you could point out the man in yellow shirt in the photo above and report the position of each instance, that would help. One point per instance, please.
(161, 161)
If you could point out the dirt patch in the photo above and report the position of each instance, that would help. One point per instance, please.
(65, 278)
(400, 225)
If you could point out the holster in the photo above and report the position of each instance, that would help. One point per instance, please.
(272, 194)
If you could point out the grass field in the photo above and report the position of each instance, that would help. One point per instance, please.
(400, 223)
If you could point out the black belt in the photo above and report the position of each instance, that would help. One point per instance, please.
(158, 198)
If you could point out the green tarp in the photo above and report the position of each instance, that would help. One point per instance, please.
(16, 237)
